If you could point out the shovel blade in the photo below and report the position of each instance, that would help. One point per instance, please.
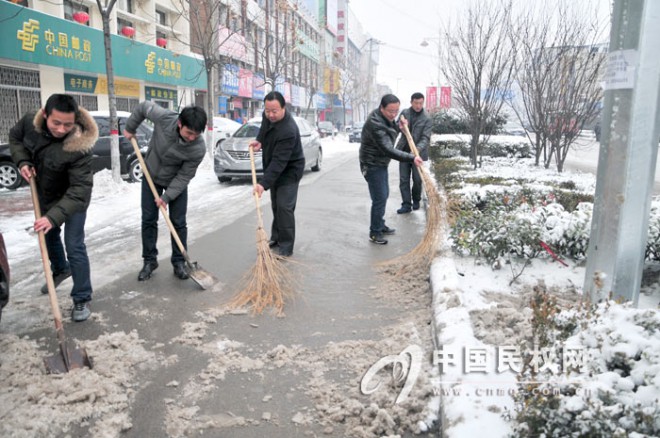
(69, 358)
(203, 278)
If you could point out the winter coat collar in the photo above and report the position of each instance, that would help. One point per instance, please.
(81, 138)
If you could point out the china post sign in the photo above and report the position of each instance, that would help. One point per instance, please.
(37, 38)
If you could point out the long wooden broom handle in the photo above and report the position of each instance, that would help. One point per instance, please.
(163, 210)
(260, 222)
(411, 142)
(50, 283)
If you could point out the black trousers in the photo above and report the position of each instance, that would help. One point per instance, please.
(408, 196)
(177, 210)
(283, 200)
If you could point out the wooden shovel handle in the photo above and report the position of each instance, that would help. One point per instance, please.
(163, 210)
(50, 283)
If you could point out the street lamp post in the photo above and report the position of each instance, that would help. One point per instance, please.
(425, 43)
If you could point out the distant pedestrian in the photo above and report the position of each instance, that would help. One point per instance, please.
(284, 163)
(376, 150)
(175, 151)
(54, 145)
(419, 124)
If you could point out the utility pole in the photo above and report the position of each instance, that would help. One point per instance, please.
(628, 153)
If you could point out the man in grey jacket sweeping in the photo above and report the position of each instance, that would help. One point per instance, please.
(175, 151)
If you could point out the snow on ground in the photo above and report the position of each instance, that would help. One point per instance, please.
(476, 311)
(113, 229)
(474, 307)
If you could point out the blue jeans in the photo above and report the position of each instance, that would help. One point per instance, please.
(379, 190)
(76, 251)
(177, 209)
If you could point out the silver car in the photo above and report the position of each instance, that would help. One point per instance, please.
(232, 156)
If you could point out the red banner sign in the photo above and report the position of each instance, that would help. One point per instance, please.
(431, 98)
(445, 97)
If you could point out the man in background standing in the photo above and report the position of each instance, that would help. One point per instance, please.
(175, 151)
(419, 124)
(284, 164)
(376, 150)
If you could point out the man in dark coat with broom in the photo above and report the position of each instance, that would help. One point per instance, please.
(376, 150)
(284, 163)
(420, 125)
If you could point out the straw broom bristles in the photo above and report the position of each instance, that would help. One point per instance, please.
(424, 252)
(269, 282)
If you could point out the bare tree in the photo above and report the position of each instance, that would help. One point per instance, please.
(559, 67)
(478, 63)
(105, 11)
(211, 23)
(276, 54)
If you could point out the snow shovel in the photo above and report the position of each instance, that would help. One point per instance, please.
(70, 356)
(203, 278)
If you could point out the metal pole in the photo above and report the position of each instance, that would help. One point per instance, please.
(628, 153)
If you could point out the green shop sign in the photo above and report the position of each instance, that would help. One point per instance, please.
(37, 38)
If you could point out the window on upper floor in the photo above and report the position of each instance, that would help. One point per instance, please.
(161, 17)
(71, 7)
(126, 5)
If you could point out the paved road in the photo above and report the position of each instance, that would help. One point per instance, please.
(239, 376)
(584, 157)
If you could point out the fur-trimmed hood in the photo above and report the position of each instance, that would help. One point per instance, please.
(81, 138)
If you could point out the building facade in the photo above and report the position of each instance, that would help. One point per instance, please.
(313, 51)
(54, 47)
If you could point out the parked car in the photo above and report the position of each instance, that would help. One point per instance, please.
(128, 163)
(4, 275)
(10, 177)
(355, 134)
(326, 129)
(232, 156)
(223, 128)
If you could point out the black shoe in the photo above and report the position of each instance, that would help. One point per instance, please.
(415, 205)
(146, 271)
(57, 279)
(378, 239)
(272, 243)
(388, 230)
(283, 253)
(180, 271)
(404, 210)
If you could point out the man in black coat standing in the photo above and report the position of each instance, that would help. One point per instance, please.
(420, 125)
(284, 163)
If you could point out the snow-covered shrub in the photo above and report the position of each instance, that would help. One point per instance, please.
(496, 149)
(515, 220)
(620, 397)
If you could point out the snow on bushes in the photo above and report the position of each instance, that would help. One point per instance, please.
(615, 394)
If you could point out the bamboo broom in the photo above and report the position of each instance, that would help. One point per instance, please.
(268, 283)
(422, 255)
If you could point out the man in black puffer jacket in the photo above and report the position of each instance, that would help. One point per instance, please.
(284, 163)
(376, 150)
(54, 145)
